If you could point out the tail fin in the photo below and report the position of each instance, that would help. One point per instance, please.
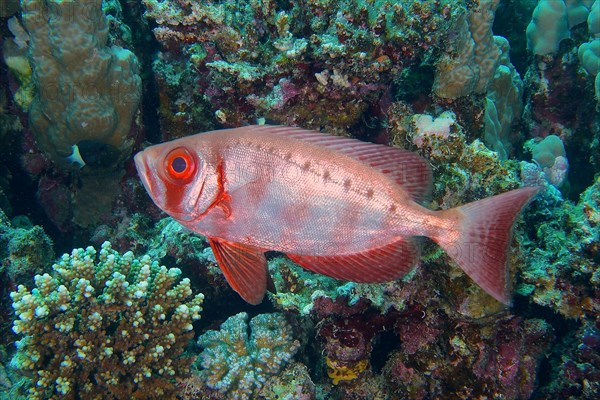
(482, 236)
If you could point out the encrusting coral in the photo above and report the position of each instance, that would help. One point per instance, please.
(24, 248)
(238, 364)
(313, 63)
(561, 270)
(105, 326)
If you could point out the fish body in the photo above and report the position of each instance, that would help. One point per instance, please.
(336, 206)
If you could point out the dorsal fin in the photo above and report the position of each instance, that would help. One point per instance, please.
(407, 169)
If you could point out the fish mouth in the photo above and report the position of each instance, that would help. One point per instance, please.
(147, 176)
(144, 172)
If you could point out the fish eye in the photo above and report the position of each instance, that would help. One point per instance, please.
(180, 164)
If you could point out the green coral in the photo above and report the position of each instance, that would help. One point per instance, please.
(238, 364)
(24, 248)
(561, 269)
(292, 62)
(105, 326)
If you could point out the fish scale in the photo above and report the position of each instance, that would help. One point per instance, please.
(270, 189)
(334, 205)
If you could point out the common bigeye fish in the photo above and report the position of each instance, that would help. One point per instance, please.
(336, 206)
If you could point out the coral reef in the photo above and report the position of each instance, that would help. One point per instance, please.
(549, 25)
(15, 56)
(314, 63)
(490, 113)
(293, 383)
(576, 373)
(238, 364)
(166, 238)
(81, 92)
(503, 103)
(464, 171)
(348, 344)
(589, 53)
(559, 93)
(475, 55)
(496, 360)
(550, 156)
(104, 326)
(553, 21)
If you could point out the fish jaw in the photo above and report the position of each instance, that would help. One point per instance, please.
(144, 173)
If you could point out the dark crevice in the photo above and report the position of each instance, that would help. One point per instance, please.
(384, 344)
(145, 47)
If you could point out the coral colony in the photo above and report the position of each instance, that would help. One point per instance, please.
(105, 326)
(494, 95)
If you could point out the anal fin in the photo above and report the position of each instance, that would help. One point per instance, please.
(382, 264)
(244, 267)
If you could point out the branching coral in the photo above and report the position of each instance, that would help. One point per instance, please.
(238, 364)
(105, 326)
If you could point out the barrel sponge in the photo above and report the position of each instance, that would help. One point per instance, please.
(85, 90)
(549, 25)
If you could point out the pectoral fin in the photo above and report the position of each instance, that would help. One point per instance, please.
(244, 267)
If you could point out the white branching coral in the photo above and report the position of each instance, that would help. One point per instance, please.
(105, 326)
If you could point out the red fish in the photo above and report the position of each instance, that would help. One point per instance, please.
(336, 206)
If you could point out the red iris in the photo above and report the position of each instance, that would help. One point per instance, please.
(180, 164)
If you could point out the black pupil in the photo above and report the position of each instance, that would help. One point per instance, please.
(179, 164)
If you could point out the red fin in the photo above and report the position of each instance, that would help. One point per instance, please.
(483, 237)
(382, 264)
(406, 168)
(244, 267)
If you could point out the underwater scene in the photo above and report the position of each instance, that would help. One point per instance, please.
(297, 200)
